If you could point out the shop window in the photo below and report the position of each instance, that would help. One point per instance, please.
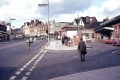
(87, 34)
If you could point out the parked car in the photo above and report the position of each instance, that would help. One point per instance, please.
(106, 41)
(116, 41)
(88, 39)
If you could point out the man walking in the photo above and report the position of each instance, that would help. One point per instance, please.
(82, 49)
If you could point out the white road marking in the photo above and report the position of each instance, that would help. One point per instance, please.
(12, 78)
(35, 64)
(33, 67)
(21, 69)
(30, 69)
(42, 55)
(113, 51)
(24, 78)
(27, 64)
(17, 73)
(24, 66)
(28, 73)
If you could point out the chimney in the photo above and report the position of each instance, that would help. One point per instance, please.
(32, 21)
(87, 19)
(93, 19)
(36, 20)
(107, 18)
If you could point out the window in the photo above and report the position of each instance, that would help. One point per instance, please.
(87, 34)
(93, 35)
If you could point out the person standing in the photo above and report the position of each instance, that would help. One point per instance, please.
(62, 40)
(29, 44)
(82, 49)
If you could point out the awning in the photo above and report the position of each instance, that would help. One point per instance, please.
(104, 29)
(109, 28)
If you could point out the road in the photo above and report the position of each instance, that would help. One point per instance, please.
(14, 57)
(18, 63)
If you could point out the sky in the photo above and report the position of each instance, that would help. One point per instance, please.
(59, 10)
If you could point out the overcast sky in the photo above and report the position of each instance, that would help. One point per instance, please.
(60, 10)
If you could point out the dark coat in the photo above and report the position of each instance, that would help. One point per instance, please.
(81, 46)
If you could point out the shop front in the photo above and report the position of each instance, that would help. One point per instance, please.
(107, 28)
(3, 36)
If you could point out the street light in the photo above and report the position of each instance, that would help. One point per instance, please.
(11, 25)
(77, 22)
(44, 5)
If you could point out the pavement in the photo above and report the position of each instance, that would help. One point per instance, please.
(57, 45)
(112, 73)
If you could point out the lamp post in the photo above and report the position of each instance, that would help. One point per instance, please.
(77, 22)
(11, 26)
(44, 5)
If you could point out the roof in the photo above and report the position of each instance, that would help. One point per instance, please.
(104, 30)
(94, 25)
(70, 26)
(39, 22)
(109, 22)
(84, 19)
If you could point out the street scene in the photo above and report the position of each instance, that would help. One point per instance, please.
(41, 63)
(59, 40)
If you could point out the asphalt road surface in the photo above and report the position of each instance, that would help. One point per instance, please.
(18, 63)
(15, 57)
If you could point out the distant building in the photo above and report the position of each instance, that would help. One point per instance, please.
(109, 27)
(3, 31)
(89, 24)
(17, 33)
(33, 28)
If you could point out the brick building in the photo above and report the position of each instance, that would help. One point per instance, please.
(109, 27)
(3, 31)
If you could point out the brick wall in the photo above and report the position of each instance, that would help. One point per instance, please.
(76, 40)
(117, 30)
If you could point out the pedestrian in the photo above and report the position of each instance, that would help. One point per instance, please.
(62, 40)
(29, 44)
(82, 49)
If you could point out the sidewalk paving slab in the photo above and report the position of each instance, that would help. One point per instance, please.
(112, 73)
(57, 45)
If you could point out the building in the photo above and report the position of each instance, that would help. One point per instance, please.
(89, 24)
(3, 31)
(109, 28)
(17, 33)
(33, 28)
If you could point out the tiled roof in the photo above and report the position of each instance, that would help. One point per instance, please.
(39, 22)
(84, 19)
(68, 26)
(94, 25)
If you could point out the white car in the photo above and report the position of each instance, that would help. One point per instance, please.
(88, 39)
(31, 40)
